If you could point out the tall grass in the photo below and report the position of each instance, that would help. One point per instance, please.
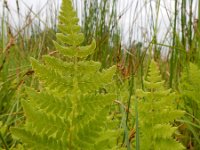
(99, 19)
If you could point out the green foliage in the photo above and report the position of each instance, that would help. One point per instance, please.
(100, 19)
(189, 85)
(156, 113)
(69, 111)
(189, 89)
(9, 86)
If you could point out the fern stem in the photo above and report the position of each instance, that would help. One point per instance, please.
(74, 105)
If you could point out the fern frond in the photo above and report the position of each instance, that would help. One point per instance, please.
(69, 112)
(156, 112)
(189, 85)
(189, 91)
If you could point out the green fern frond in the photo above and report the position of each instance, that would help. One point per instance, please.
(156, 111)
(69, 112)
(189, 90)
(190, 84)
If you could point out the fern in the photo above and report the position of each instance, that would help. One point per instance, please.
(69, 112)
(189, 90)
(189, 85)
(156, 111)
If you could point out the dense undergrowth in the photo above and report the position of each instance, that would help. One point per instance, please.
(75, 87)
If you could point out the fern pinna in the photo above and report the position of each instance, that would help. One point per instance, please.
(69, 112)
(156, 111)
